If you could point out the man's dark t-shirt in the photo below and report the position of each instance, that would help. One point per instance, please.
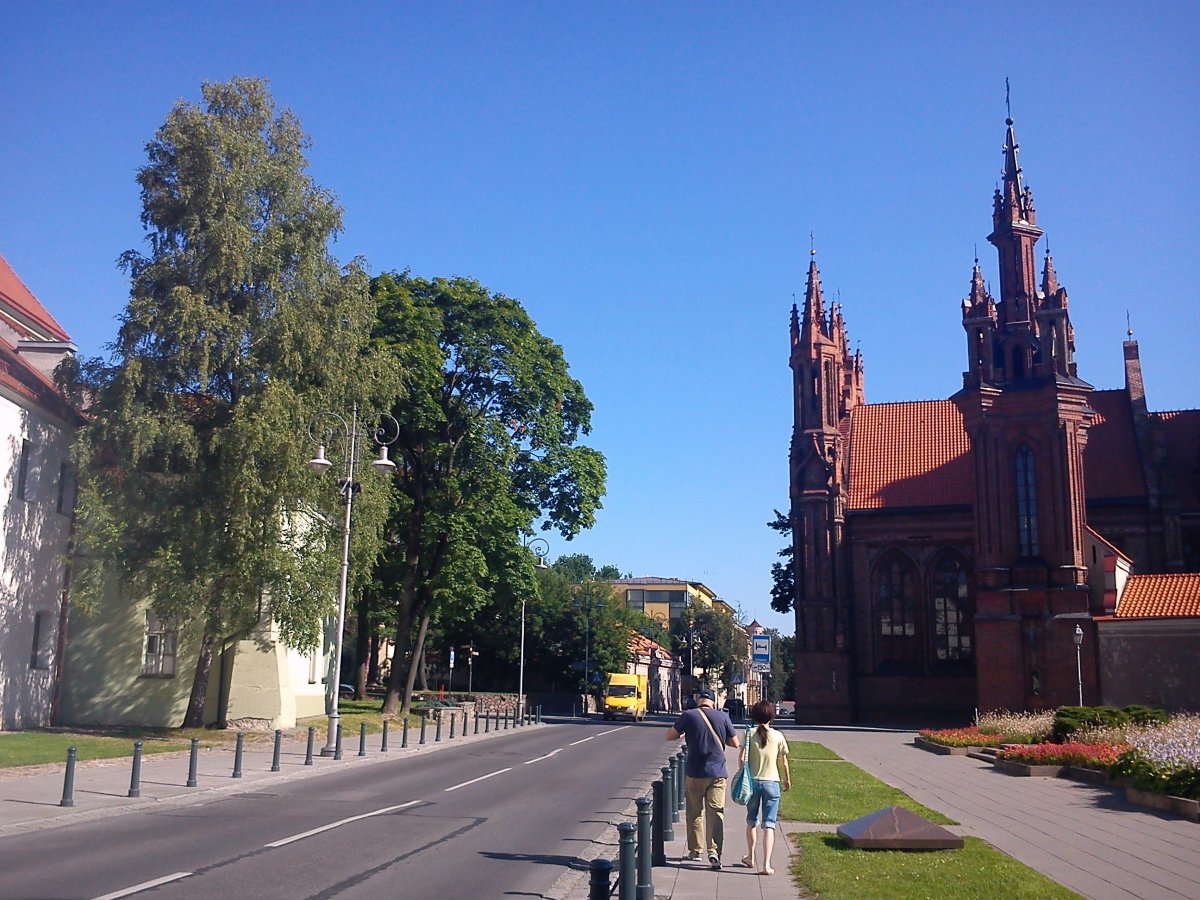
(705, 755)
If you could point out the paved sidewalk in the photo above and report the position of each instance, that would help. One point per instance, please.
(30, 797)
(1083, 836)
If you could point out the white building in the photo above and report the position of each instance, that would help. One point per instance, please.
(37, 493)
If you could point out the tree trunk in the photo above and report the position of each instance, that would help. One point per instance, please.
(362, 646)
(423, 667)
(417, 656)
(194, 717)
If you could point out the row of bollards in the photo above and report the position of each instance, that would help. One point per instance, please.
(135, 779)
(640, 844)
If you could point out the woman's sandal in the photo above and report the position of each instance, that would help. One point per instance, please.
(767, 870)
(748, 862)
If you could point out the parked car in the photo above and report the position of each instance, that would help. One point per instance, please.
(786, 708)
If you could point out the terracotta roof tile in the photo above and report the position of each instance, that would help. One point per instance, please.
(1112, 468)
(23, 312)
(1160, 596)
(909, 455)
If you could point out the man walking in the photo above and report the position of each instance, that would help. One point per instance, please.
(708, 732)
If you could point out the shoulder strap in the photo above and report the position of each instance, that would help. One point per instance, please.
(708, 722)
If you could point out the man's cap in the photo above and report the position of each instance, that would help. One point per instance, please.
(706, 694)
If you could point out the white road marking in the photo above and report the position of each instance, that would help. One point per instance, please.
(144, 886)
(378, 812)
(480, 778)
(584, 741)
(540, 758)
(601, 734)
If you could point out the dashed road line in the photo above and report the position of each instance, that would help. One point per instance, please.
(480, 778)
(331, 825)
(145, 886)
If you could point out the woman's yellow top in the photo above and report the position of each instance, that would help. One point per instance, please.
(764, 760)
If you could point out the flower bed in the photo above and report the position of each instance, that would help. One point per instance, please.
(1073, 753)
(961, 737)
(1165, 759)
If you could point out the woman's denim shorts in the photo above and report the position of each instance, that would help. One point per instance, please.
(766, 793)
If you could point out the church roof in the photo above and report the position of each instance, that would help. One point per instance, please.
(1111, 467)
(1181, 433)
(909, 455)
(22, 312)
(1160, 596)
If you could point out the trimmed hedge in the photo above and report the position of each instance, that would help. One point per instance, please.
(1070, 719)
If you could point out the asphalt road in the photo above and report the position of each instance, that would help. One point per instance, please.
(497, 818)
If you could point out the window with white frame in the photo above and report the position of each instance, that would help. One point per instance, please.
(158, 659)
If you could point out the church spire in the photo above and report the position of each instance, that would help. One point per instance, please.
(1049, 277)
(814, 302)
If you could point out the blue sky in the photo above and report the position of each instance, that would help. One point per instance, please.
(645, 178)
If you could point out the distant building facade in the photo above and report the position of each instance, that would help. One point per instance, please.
(946, 551)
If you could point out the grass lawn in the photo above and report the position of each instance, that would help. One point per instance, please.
(31, 748)
(833, 871)
(828, 790)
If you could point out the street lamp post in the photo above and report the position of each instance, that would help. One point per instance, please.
(587, 605)
(539, 547)
(323, 430)
(1079, 660)
(471, 654)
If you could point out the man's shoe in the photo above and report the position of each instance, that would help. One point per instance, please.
(714, 861)
(694, 856)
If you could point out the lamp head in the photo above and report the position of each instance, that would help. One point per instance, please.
(1078, 635)
(319, 463)
(383, 464)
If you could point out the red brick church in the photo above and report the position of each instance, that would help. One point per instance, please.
(948, 553)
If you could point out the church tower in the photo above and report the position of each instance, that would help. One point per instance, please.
(827, 383)
(1026, 414)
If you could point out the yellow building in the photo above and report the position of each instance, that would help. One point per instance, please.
(663, 599)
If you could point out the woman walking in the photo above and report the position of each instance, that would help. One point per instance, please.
(767, 751)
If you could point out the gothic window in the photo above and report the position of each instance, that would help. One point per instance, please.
(899, 640)
(1027, 517)
(952, 613)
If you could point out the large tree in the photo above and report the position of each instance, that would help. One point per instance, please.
(239, 324)
(491, 423)
(717, 644)
(783, 571)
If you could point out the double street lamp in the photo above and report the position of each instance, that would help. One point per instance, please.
(328, 429)
(539, 548)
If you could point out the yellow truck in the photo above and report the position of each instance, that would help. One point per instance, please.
(625, 695)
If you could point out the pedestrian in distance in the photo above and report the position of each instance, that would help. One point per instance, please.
(708, 732)
(767, 751)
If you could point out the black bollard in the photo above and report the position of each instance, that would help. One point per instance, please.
(626, 861)
(337, 743)
(477, 720)
(424, 721)
(539, 715)
(464, 728)
(278, 750)
(680, 780)
(453, 719)
(192, 761)
(599, 887)
(404, 737)
(383, 743)
(237, 754)
(673, 766)
(437, 734)
(312, 736)
(658, 855)
(135, 779)
(668, 804)
(645, 876)
(362, 738)
(68, 797)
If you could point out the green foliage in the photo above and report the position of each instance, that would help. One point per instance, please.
(239, 325)
(783, 572)
(1154, 777)
(1070, 719)
(718, 646)
(491, 424)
